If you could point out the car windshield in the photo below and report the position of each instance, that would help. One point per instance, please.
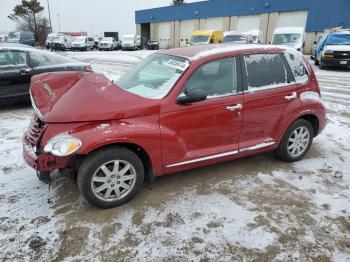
(280, 39)
(107, 39)
(79, 39)
(234, 39)
(14, 36)
(155, 76)
(338, 39)
(200, 39)
(127, 39)
(58, 38)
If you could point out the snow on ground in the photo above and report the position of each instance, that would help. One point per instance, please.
(256, 208)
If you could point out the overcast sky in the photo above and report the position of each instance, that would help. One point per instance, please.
(92, 16)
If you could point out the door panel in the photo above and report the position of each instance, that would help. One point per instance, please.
(206, 130)
(270, 91)
(14, 76)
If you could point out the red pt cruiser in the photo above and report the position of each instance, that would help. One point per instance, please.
(176, 110)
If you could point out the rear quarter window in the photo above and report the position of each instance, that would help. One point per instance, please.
(295, 60)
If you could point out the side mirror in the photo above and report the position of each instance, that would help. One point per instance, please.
(192, 96)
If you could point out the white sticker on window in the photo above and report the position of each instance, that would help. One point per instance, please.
(177, 64)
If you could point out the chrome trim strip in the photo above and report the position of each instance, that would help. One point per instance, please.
(258, 146)
(229, 153)
(205, 158)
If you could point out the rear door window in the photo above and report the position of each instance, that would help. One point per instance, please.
(265, 71)
(12, 59)
(298, 67)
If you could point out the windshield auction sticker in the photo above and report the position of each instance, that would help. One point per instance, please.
(181, 65)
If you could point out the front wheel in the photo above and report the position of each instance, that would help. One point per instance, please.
(296, 141)
(110, 177)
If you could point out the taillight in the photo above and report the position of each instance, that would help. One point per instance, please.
(88, 68)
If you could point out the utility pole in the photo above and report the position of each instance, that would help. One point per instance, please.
(59, 23)
(48, 8)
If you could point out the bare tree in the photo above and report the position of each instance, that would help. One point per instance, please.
(28, 16)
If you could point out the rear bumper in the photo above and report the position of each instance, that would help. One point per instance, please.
(336, 62)
(44, 162)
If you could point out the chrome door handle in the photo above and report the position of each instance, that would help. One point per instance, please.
(234, 107)
(292, 96)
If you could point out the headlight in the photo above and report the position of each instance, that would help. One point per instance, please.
(63, 145)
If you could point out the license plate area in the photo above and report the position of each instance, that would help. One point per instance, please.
(343, 62)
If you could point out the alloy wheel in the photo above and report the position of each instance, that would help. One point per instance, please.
(298, 141)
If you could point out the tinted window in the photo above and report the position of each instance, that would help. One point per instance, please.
(298, 68)
(44, 59)
(12, 58)
(265, 71)
(216, 78)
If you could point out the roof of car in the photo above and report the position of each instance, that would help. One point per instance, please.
(197, 52)
(14, 46)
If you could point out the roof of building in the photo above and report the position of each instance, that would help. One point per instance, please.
(196, 52)
(338, 11)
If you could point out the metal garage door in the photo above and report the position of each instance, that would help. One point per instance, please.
(296, 18)
(214, 23)
(248, 22)
(164, 35)
(186, 29)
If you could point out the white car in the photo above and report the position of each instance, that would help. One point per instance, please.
(83, 43)
(289, 36)
(61, 42)
(108, 43)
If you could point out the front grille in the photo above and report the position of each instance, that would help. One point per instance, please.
(35, 130)
(342, 55)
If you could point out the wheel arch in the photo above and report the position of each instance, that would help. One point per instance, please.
(135, 148)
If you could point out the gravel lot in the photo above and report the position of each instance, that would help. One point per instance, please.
(256, 208)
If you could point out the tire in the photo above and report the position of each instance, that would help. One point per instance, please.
(286, 149)
(43, 176)
(316, 62)
(95, 192)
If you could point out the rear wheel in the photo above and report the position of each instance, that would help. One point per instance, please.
(296, 141)
(110, 177)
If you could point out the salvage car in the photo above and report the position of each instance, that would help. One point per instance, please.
(176, 110)
(61, 42)
(19, 63)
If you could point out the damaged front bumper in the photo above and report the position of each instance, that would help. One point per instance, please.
(44, 162)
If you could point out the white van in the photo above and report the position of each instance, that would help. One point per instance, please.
(253, 36)
(131, 42)
(289, 36)
(83, 43)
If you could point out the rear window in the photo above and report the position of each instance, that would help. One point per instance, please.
(265, 71)
(11, 58)
(298, 67)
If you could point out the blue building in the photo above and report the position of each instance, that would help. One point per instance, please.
(172, 25)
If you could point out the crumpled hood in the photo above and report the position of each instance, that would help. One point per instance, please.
(64, 97)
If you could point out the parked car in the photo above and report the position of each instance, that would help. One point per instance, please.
(19, 63)
(21, 37)
(152, 45)
(3, 38)
(178, 109)
(131, 42)
(108, 43)
(97, 41)
(61, 42)
(49, 40)
(204, 37)
(253, 36)
(334, 50)
(289, 36)
(83, 43)
(234, 37)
